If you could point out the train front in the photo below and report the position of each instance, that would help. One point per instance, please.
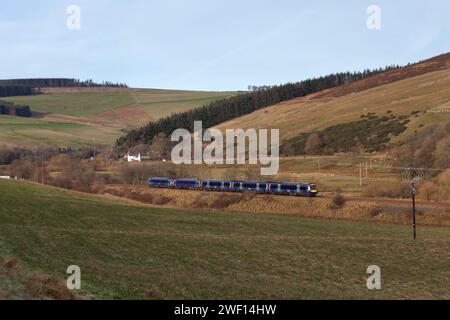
(313, 190)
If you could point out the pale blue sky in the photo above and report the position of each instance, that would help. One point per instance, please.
(214, 45)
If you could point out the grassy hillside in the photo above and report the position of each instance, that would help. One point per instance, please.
(128, 251)
(29, 131)
(89, 102)
(76, 104)
(427, 93)
(159, 103)
(73, 116)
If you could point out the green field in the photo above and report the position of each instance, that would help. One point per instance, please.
(76, 118)
(129, 251)
(75, 104)
(156, 103)
(29, 131)
(159, 103)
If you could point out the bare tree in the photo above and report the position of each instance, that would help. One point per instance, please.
(313, 144)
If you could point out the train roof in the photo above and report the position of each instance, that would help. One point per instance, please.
(236, 181)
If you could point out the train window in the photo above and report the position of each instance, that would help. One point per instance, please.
(187, 182)
(287, 187)
(215, 184)
(303, 188)
(249, 185)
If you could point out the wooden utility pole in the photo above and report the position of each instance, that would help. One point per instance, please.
(413, 175)
(360, 174)
(367, 173)
(413, 193)
(95, 151)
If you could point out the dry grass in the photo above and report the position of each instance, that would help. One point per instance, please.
(392, 189)
(319, 207)
(30, 285)
(437, 189)
(404, 97)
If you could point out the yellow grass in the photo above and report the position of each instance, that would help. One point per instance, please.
(402, 97)
(319, 207)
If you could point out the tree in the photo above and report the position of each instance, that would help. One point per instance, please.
(423, 156)
(161, 147)
(313, 144)
(441, 154)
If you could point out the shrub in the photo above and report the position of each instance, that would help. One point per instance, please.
(375, 212)
(61, 182)
(371, 133)
(44, 287)
(160, 200)
(224, 201)
(387, 190)
(338, 201)
(437, 189)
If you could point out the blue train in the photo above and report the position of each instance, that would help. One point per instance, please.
(285, 188)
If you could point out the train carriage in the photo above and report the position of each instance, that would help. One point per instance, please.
(159, 182)
(187, 183)
(281, 188)
(217, 185)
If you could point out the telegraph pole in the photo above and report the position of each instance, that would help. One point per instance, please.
(360, 174)
(413, 175)
(413, 193)
(93, 140)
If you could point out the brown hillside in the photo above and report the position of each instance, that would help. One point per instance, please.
(437, 63)
(420, 92)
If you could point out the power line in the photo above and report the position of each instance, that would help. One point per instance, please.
(412, 168)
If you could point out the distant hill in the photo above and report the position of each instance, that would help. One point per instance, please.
(74, 116)
(417, 96)
(245, 103)
(57, 82)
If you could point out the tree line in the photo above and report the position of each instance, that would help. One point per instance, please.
(12, 109)
(16, 90)
(58, 83)
(26, 87)
(244, 103)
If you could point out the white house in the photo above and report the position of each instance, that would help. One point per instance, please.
(131, 158)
